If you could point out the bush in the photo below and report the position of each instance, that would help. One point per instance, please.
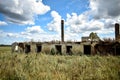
(52, 51)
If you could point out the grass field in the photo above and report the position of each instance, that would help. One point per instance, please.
(5, 49)
(15, 66)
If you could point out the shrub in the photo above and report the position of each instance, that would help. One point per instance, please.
(52, 51)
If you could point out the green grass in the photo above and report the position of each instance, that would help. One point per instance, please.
(5, 49)
(15, 66)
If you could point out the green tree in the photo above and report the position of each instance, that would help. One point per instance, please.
(94, 37)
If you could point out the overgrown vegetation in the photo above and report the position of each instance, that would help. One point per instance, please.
(14, 66)
(108, 40)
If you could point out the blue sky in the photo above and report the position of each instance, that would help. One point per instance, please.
(39, 20)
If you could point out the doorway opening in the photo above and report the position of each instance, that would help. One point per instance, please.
(27, 48)
(87, 49)
(117, 50)
(59, 49)
(68, 50)
(38, 48)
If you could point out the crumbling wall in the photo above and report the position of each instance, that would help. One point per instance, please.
(59, 48)
(46, 48)
(77, 49)
(105, 48)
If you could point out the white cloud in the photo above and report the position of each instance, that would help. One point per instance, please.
(69, 36)
(13, 35)
(40, 8)
(81, 23)
(105, 8)
(35, 33)
(9, 38)
(55, 24)
(109, 23)
(34, 29)
(100, 18)
(38, 34)
(2, 23)
(1, 33)
(22, 12)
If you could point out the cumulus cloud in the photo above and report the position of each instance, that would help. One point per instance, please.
(109, 23)
(55, 24)
(12, 35)
(38, 34)
(33, 32)
(100, 18)
(2, 23)
(105, 8)
(9, 38)
(22, 12)
(34, 29)
(80, 23)
(29, 32)
(1, 33)
(106, 11)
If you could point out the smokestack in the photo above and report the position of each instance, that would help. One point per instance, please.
(62, 30)
(116, 30)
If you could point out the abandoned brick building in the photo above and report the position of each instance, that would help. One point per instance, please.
(69, 48)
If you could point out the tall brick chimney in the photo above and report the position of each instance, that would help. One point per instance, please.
(62, 30)
(116, 31)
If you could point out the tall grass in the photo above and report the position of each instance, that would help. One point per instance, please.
(5, 49)
(48, 67)
(16, 66)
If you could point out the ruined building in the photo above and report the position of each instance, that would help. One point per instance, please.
(109, 47)
(69, 48)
